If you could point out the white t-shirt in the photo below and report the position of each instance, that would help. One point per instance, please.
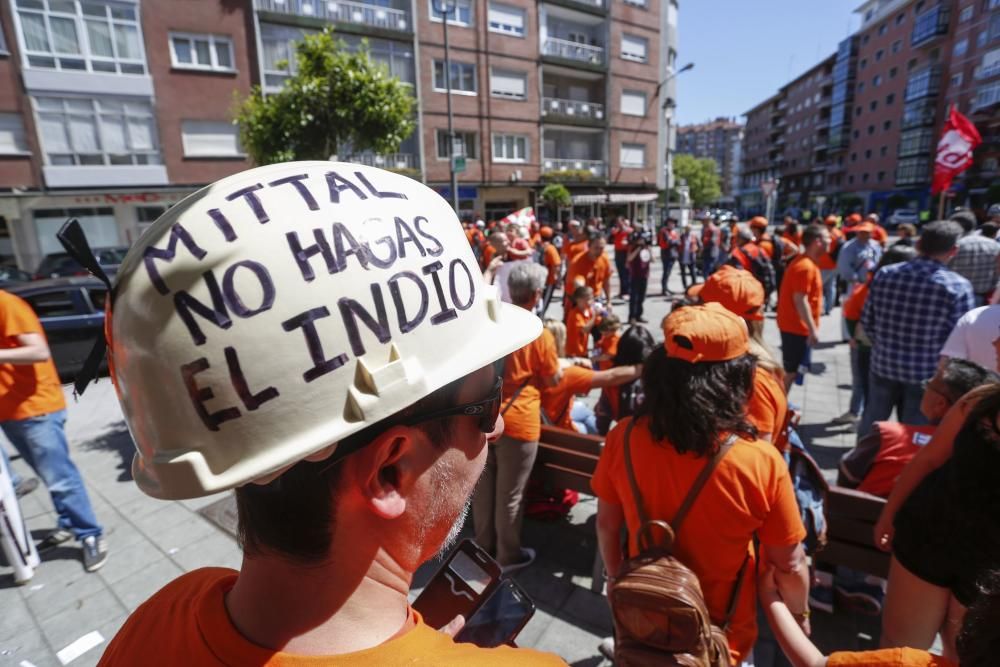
(973, 336)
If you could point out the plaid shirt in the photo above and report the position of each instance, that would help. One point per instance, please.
(977, 261)
(911, 309)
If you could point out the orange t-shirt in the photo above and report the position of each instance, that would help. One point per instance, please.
(750, 491)
(576, 335)
(768, 405)
(551, 260)
(537, 359)
(573, 248)
(593, 272)
(880, 235)
(855, 303)
(186, 623)
(887, 657)
(826, 260)
(608, 344)
(802, 275)
(620, 238)
(489, 252)
(26, 390)
(557, 401)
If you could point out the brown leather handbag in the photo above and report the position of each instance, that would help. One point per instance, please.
(657, 605)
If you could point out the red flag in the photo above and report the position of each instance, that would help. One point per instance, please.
(954, 151)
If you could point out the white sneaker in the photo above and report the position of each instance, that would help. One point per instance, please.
(607, 648)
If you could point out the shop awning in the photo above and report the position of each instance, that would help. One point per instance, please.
(589, 199)
(638, 197)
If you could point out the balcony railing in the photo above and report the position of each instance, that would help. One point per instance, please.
(596, 168)
(553, 106)
(932, 23)
(598, 4)
(385, 161)
(563, 48)
(341, 11)
(988, 71)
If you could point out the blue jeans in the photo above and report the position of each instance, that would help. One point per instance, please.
(861, 361)
(829, 289)
(708, 265)
(668, 264)
(884, 395)
(41, 441)
(584, 417)
(621, 264)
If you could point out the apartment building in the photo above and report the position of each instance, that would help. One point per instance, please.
(720, 140)
(762, 153)
(113, 110)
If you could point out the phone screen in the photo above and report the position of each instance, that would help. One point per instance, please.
(500, 619)
(457, 588)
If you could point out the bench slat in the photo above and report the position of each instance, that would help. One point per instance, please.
(868, 560)
(581, 442)
(565, 478)
(853, 504)
(567, 458)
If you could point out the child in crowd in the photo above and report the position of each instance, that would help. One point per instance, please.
(580, 320)
(610, 331)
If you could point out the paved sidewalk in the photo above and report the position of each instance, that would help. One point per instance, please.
(151, 541)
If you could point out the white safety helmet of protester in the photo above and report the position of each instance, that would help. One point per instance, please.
(271, 314)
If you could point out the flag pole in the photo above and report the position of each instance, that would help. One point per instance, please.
(940, 215)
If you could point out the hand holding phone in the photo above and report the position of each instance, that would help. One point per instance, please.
(467, 578)
(500, 619)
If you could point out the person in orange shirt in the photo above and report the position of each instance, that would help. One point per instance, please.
(580, 320)
(591, 268)
(576, 241)
(697, 385)
(799, 302)
(879, 235)
(620, 234)
(828, 264)
(552, 262)
(497, 507)
(741, 294)
(496, 246)
(610, 331)
(33, 417)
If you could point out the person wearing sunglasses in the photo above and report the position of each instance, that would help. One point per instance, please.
(345, 383)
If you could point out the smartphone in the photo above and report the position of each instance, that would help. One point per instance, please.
(500, 619)
(467, 578)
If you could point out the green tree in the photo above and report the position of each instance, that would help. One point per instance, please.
(557, 197)
(337, 99)
(701, 177)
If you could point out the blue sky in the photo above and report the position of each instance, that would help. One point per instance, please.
(744, 50)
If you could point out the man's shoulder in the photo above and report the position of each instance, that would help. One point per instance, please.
(440, 650)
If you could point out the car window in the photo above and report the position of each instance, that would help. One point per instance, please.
(52, 304)
(111, 256)
(98, 297)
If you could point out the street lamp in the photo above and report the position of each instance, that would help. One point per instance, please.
(672, 75)
(667, 104)
(445, 8)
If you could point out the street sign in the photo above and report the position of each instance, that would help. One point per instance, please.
(459, 163)
(767, 187)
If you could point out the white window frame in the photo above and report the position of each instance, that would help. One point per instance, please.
(515, 138)
(135, 108)
(510, 73)
(13, 123)
(630, 146)
(505, 28)
(3, 43)
(465, 144)
(214, 42)
(113, 64)
(966, 13)
(642, 4)
(960, 48)
(635, 57)
(454, 90)
(189, 127)
(634, 93)
(467, 4)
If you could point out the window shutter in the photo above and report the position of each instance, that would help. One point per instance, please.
(206, 138)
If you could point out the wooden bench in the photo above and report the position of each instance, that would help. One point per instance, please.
(567, 460)
(850, 525)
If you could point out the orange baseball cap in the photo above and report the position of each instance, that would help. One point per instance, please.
(735, 290)
(758, 221)
(705, 333)
(546, 232)
(853, 219)
(832, 220)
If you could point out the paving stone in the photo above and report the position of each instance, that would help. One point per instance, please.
(189, 531)
(84, 616)
(218, 550)
(16, 616)
(30, 646)
(48, 598)
(124, 561)
(569, 641)
(136, 588)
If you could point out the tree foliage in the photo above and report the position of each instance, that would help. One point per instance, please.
(336, 100)
(701, 178)
(556, 195)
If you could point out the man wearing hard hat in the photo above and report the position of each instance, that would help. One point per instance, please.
(318, 337)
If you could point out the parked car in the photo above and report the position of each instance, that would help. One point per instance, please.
(11, 275)
(72, 314)
(61, 265)
(901, 215)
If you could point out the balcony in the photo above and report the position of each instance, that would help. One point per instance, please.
(987, 71)
(918, 115)
(987, 95)
(555, 166)
(554, 108)
(385, 161)
(596, 6)
(924, 83)
(341, 11)
(930, 25)
(567, 50)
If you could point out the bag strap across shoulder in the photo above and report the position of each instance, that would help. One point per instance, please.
(514, 397)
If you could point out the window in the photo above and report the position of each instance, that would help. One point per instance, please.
(896, 46)
(956, 79)
(855, 134)
(863, 64)
(883, 151)
(890, 99)
(506, 20)
(900, 18)
(861, 87)
(864, 177)
(634, 48)
(879, 54)
(632, 155)
(3, 43)
(466, 145)
(461, 15)
(882, 29)
(893, 72)
(887, 125)
(916, 142)
(871, 130)
(868, 154)
(637, 3)
(873, 105)
(961, 46)
(877, 81)
(864, 40)
(91, 36)
(96, 131)
(508, 83)
(463, 77)
(98, 223)
(510, 148)
(12, 139)
(145, 216)
(205, 52)
(633, 102)
(965, 14)
(854, 157)
(857, 112)
(209, 138)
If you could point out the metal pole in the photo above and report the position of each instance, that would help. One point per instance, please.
(446, 11)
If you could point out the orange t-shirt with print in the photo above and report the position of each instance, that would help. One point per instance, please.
(557, 401)
(186, 623)
(525, 367)
(26, 390)
(887, 657)
(551, 260)
(768, 405)
(592, 271)
(576, 334)
(749, 492)
(802, 275)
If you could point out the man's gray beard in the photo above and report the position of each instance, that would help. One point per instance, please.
(456, 530)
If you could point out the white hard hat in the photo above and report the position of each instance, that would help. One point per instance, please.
(277, 311)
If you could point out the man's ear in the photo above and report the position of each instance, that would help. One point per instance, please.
(386, 471)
